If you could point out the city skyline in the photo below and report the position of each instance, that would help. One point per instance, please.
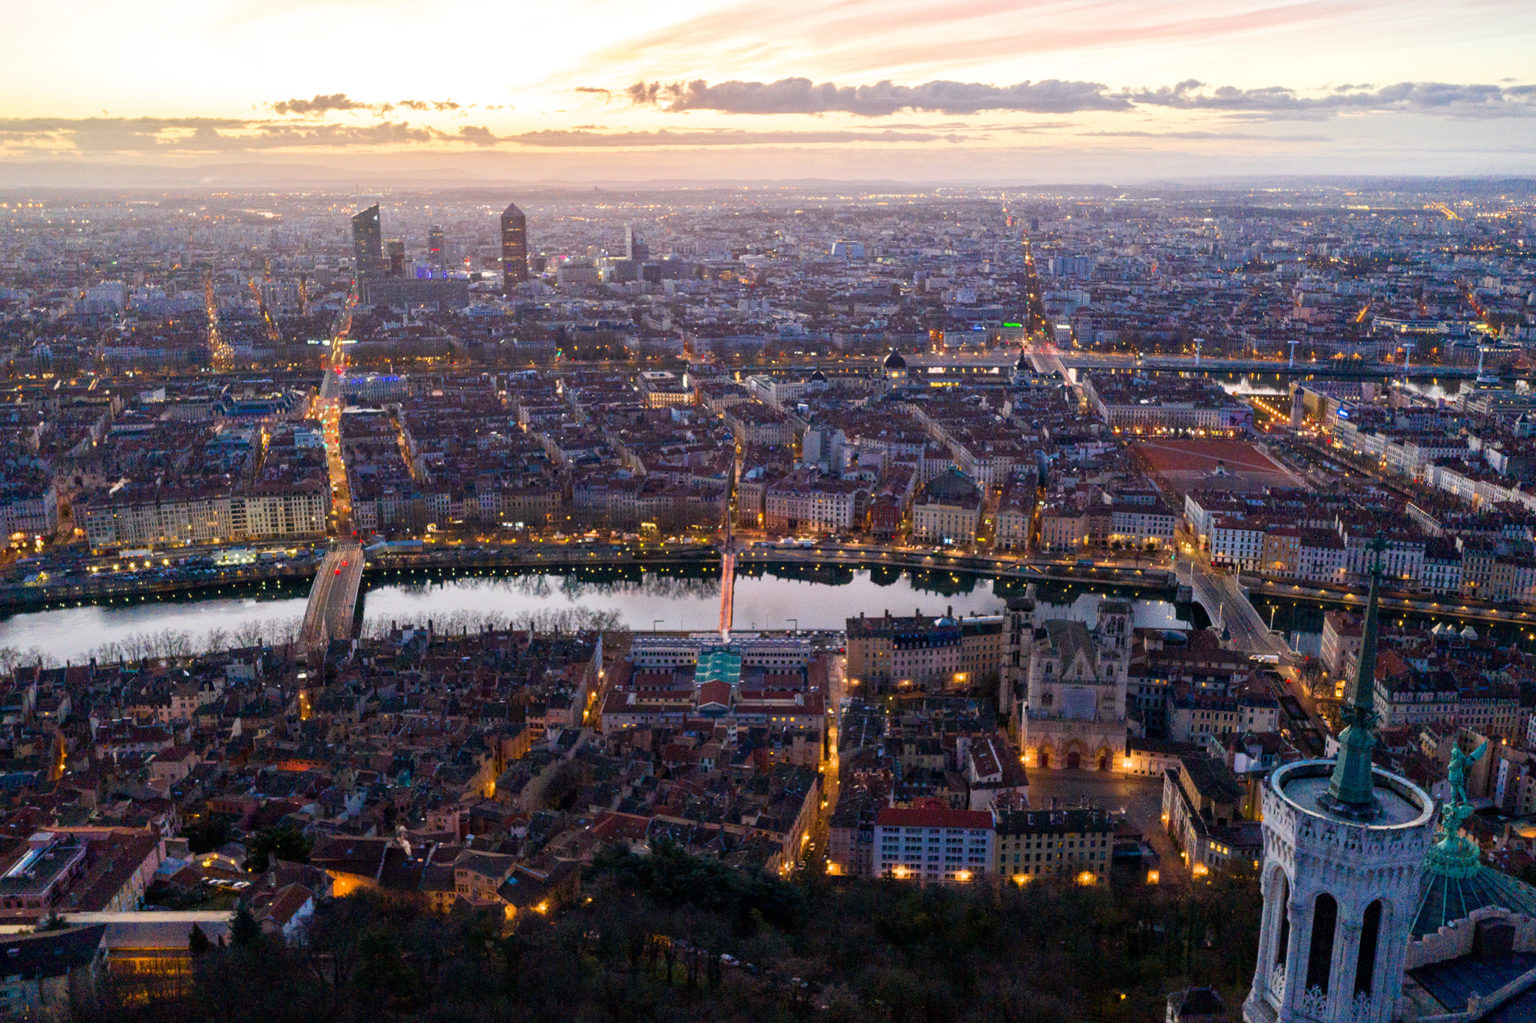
(998, 92)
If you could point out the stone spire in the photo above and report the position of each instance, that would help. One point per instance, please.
(1351, 789)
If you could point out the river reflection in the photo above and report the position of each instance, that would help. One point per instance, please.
(775, 597)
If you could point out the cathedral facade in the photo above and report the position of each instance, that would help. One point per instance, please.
(1068, 685)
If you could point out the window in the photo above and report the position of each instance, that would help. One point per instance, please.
(1325, 915)
(1365, 964)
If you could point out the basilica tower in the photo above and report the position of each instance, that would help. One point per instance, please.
(1344, 848)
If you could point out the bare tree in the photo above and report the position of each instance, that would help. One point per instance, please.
(215, 640)
(250, 633)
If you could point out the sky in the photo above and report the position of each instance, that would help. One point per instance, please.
(1113, 91)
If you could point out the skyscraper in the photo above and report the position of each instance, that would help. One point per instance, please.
(514, 247)
(436, 257)
(634, 246)
(396, 258)
(367, 243)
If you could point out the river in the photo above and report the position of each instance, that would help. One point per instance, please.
(781, 597)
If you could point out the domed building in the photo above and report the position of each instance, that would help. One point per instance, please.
(895, 368)
(1023, 369)
(1472, 944)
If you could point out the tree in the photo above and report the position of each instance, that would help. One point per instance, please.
(382, 970)
(198, 943)
(283, 841)
(206, 832)
(244, 931)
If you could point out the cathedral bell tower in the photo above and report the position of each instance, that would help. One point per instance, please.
(1344, 847)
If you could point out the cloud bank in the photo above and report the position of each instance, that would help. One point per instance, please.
(1055, 96)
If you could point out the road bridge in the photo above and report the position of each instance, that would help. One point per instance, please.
(1003, 361)
(1230, 610)
(333, 597)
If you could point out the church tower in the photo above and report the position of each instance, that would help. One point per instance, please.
(1344, 848)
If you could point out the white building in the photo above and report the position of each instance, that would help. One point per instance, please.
(933, 845)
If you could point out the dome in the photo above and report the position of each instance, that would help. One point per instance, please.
(1469, 633)
(1452, 891)
(895, 361)
(818, 377)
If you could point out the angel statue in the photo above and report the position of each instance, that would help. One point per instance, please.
(1457, 773)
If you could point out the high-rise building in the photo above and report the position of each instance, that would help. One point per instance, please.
(436, 257)
(514, 247)
(367, 243)
(1345, 844)
(635, 248)
(396, 258)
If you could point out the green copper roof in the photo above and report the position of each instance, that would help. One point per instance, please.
(1456, 882)
(1450, 896)
(1351, 790)
(719, 662)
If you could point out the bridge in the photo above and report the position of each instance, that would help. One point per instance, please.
(1048, 357)
(333, 597)
(727, 592)
(1231, 611)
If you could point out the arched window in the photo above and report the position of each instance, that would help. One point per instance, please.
(1325, 916)
(1284, 902)
(1365, 963)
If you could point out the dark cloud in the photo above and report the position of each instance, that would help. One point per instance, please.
(1213, 136)
(209, 134)
(385, 133)
(1055, 96)
(719, 138)
(607, 94)
(477, 134)
(318, 105)
(110, 134)
(340, 102)
(641, 93)
(802, 96)
(147, 125)
(1422, 97)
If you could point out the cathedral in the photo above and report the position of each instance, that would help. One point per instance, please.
(1068, 685)
(1373, 911)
